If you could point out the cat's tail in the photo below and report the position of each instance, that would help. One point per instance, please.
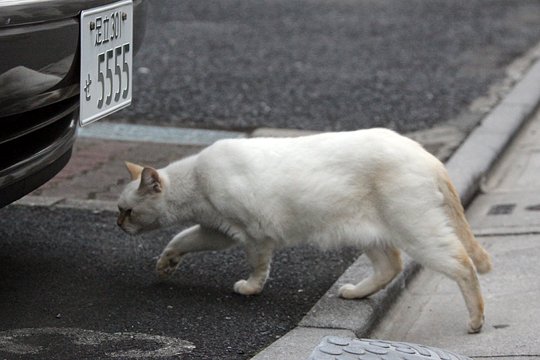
(477, 253)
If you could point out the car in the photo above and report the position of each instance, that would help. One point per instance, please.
(63, 64)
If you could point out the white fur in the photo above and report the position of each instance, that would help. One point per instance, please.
(369, 188)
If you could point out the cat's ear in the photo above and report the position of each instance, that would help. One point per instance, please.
(150, 180)
(134, 170)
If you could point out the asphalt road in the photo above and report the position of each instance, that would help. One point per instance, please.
(73, 286)
(323, 64)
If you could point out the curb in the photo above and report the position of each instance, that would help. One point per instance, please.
(49, 201)
(475, 157)
(156, 134)
(467, 167)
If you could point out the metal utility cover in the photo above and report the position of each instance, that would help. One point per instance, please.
(505, 213)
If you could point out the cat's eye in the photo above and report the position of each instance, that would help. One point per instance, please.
(125, 212)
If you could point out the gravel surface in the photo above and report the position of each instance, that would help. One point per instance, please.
(323, 64)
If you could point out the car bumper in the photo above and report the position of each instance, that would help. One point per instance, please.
(39, 88)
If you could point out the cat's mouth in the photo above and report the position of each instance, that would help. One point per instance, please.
(132, 229)
(129, 229)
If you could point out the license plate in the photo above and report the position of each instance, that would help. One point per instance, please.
(106, 60)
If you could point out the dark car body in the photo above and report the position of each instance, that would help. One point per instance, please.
(39, 88)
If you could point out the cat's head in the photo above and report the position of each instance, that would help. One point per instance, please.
(141, 204)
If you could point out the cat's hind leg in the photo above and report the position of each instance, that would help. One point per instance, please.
(259, 258)
(195, 238)
(386, 265)
(450, 258)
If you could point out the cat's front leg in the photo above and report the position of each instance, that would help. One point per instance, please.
(195, 238)
(168, 262)
(259, 257)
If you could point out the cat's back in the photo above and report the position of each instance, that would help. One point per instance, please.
(367, 146)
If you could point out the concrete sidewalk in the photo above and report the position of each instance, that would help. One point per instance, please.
(505, 218)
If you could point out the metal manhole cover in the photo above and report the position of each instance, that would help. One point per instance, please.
(337, 348)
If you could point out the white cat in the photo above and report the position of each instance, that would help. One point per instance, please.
(369, 188)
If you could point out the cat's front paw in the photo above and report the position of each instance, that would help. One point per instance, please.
(167, 263)
(244, 287)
